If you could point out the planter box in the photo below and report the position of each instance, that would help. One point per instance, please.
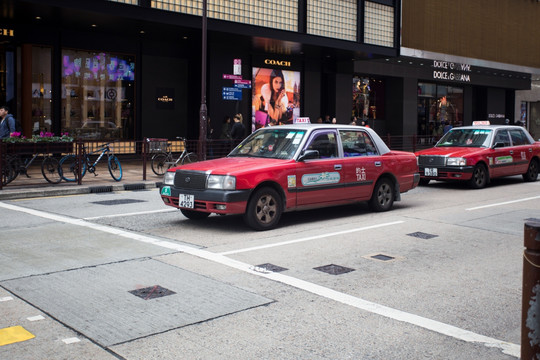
(39, 147)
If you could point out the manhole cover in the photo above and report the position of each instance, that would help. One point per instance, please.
(272, 267)
(152, 292)
(422, 235)
(382, 257)
(333, 269)
(117, 202)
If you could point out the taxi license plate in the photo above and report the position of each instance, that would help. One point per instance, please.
(186, 201)
(430, 172)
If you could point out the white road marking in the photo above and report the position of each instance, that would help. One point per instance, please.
(71, 340)
(130, 214)
(315, 237)
(425, 323)
(6, 298)
(35, 318)
(503, 203)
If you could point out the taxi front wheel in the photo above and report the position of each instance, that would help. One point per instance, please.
(264, 209)
(479, 177)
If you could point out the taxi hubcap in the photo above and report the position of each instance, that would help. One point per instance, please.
(384, 194)
(266, 208)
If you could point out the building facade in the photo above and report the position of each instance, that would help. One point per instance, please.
(129, 69)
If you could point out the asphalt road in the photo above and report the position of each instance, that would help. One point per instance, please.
(120, 275)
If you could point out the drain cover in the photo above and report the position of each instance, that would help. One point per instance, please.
(134, 187)
(382, 257)
(117, 202)
(152, 292)
(100, 189)
(333, 269)
(272, 267)
(422, 235)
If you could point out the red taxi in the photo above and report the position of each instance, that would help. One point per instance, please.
(293, 167)
(477, 154)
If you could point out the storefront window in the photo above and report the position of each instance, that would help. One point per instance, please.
(368, 99)
(440, 108)
(97, 95)
(41, 89)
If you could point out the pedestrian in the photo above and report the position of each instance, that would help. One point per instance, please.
(7, 124)
(238, 130)
(209, 138)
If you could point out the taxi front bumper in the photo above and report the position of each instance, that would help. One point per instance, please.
(446, 172)
(211, 201)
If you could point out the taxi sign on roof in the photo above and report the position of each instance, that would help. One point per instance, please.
(302, 120)
(478, 123)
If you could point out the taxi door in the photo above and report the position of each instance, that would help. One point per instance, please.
(362, 162)
(321, 180)
(501, 161)
(521, 151)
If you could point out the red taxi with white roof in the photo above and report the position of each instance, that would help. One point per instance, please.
(293, 167)
(477, 154)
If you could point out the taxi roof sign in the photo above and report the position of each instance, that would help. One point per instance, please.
(483, 122)
(302, 120)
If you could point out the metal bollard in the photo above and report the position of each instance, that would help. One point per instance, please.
(530, 316)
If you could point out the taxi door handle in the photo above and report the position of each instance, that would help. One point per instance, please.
(337, 167)
(378, 163)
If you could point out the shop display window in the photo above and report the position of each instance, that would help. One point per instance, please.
(41, 89)
(368, 99)
(97, 95)
(440, 108)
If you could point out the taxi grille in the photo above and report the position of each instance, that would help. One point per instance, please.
(190, 180)
(432, 160)
(200, 205)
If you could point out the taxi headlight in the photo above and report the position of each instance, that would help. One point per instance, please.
(454, 161)
(168, 179)
(221, 182)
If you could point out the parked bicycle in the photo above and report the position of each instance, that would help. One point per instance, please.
(164, 160)
(15, 165)
(69, 169)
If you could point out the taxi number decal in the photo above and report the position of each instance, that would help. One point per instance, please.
(321, 178)
(166, 190)
(503, 159)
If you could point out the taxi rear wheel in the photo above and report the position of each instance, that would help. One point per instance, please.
(264, 209)
(532, 172)
(479, 177)
(382, 198)
(194, 215)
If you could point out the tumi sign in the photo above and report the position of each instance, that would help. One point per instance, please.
(451, 71)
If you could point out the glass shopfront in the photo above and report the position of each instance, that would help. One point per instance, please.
(440, 108)
(41, 89)
(368, 99)
(97, 95)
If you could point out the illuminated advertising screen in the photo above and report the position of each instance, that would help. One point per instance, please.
(276, 97)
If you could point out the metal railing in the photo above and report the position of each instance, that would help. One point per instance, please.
(135, 155)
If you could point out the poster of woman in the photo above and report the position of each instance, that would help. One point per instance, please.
(276, 96)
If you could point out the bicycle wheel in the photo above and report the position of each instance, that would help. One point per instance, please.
(159, 163)
(8, 172)
(115, 168)
(50, 168)
(190, 158)
(68, 168)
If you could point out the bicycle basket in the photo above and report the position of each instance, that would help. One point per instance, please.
(157, 145)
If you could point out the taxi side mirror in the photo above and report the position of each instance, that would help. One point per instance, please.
(308, 154)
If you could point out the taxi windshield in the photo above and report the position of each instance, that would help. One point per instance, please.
(466, 138)
(272, 142)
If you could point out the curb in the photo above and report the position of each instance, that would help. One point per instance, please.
(75, 190)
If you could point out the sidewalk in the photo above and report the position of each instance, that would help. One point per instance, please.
(36, 186)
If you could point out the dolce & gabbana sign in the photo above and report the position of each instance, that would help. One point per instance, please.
(451, 71)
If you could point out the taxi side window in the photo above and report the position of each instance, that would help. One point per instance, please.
(356, 143)
(502, 137)
(325, 144)
(518, 137)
